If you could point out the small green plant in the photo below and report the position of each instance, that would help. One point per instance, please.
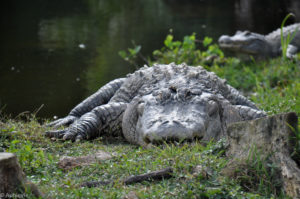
(295, 141)
(31, 159)
(131, 54)
(257, 175)
(187, 51)
(285, 41)
(178, 51)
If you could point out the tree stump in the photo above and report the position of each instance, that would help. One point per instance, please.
(272, 136)
(13, 182)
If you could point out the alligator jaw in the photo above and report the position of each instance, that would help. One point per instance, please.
(226, 42)
(240, 46)
(261, 46)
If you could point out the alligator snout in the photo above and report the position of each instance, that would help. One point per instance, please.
(168, 122)
(224, 39)
(172, 130)
(233, 43)
(167, 131)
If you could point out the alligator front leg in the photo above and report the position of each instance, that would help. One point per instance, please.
(102, 96)
(291, 51)
(236, 98)
(248, 113)
(101, 119)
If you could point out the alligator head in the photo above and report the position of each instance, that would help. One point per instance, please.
(246, 42)
(172, 114)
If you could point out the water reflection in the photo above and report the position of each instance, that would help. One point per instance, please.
(57, 53)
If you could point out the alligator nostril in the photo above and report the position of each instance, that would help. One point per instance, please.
(165, 122)
(224, 39)
(176, 122)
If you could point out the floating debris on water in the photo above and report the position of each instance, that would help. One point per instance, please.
(82, 46)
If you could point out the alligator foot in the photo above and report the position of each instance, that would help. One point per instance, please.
(66, 121)
(55, 134)
(64, 134)
(80, 129)
(291, 51)
(101, 119)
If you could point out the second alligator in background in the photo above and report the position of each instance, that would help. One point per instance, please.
(262, 46)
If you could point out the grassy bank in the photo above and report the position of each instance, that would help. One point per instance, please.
(274, 85)
(39, 159)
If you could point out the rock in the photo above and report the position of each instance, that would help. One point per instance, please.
(68, 162)
(273, 137)
(131, 195)
(203, 171)
(13, 182)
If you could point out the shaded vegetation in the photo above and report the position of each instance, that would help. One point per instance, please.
(257, 174)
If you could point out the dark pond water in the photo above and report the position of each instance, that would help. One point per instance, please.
(56, 53)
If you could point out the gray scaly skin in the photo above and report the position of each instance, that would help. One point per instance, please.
(154, 104)
(262, 46)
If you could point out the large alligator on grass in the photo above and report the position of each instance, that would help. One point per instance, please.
(262, 46)
(159, 103)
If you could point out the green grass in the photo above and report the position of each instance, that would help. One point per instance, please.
(274, 85)
(39, 158)
(285, 41)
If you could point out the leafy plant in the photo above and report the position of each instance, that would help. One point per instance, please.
(187, 50)
(259, 175)
(256, 174)
(31, 159)
(131, 54)
(285, 41)
(177, 51)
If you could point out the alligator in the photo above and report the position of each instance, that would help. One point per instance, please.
(158, 104)
(262, 46)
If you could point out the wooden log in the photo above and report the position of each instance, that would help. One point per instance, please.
(273, 137)
(13, 182)
(90, 184)
(154, 175)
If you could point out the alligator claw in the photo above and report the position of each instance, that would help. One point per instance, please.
(65, 134)
(70, 136)
(66, 121)
(55, 133)
(78, 138)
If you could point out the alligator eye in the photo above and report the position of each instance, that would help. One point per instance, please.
(196, 91)
(173, 89)
(247, 33)
(188, 94)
